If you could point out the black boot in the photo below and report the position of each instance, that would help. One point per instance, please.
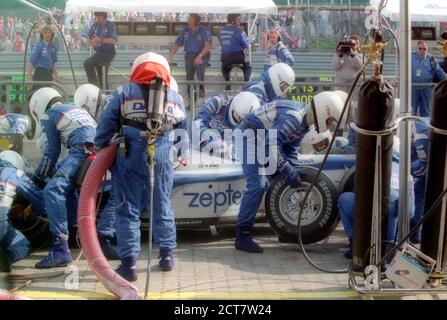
(348, 253)
(128, 269)
(244, 241)
(5, 261)
(72, 237)
(166, 262)
(107, 248)
(58, 256)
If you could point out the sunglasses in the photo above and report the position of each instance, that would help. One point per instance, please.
(422, 49)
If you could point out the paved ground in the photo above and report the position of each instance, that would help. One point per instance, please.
(208, 267)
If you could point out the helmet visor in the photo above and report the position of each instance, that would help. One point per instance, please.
(284, 87)
(321, 141)
(332, 124)
(36, 129)
(321, 145)
(235, 117)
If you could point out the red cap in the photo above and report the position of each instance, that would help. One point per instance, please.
(148, 71)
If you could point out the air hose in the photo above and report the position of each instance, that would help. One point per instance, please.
(5, 295)
(87, 227)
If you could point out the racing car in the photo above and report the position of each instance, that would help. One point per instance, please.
(209, 193)
(208, 190)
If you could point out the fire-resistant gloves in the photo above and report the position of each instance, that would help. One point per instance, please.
(293, 177)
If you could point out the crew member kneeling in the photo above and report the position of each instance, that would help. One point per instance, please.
(13, 181)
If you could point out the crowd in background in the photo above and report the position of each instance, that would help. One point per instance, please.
(297, 27)
(300, 29)
(12, 32)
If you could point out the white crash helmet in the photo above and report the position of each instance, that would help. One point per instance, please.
(241, 105)
(341, 94)
(305, 145)
(89, 97)
(282, 77)
(314, 142)
(4, 124)
(42, 100)
(320, 141)
(29, 125)
(13, 158)
(326, 106)
(173, 84)
(151, 57)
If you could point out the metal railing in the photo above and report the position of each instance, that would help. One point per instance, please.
(14, 93)
(191, 96)
(301, 92)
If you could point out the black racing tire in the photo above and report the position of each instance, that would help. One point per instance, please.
(318, 221)
(347, 182)
(35, 229)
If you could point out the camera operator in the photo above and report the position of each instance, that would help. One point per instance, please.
(346, 63)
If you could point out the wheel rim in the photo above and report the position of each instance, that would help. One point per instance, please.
(290, 200)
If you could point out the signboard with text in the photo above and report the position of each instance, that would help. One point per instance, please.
(13, 95)
(304, 93)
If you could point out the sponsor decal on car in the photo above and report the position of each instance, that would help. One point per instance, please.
(215, 200)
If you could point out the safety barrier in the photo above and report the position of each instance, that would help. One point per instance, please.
(306, 63)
